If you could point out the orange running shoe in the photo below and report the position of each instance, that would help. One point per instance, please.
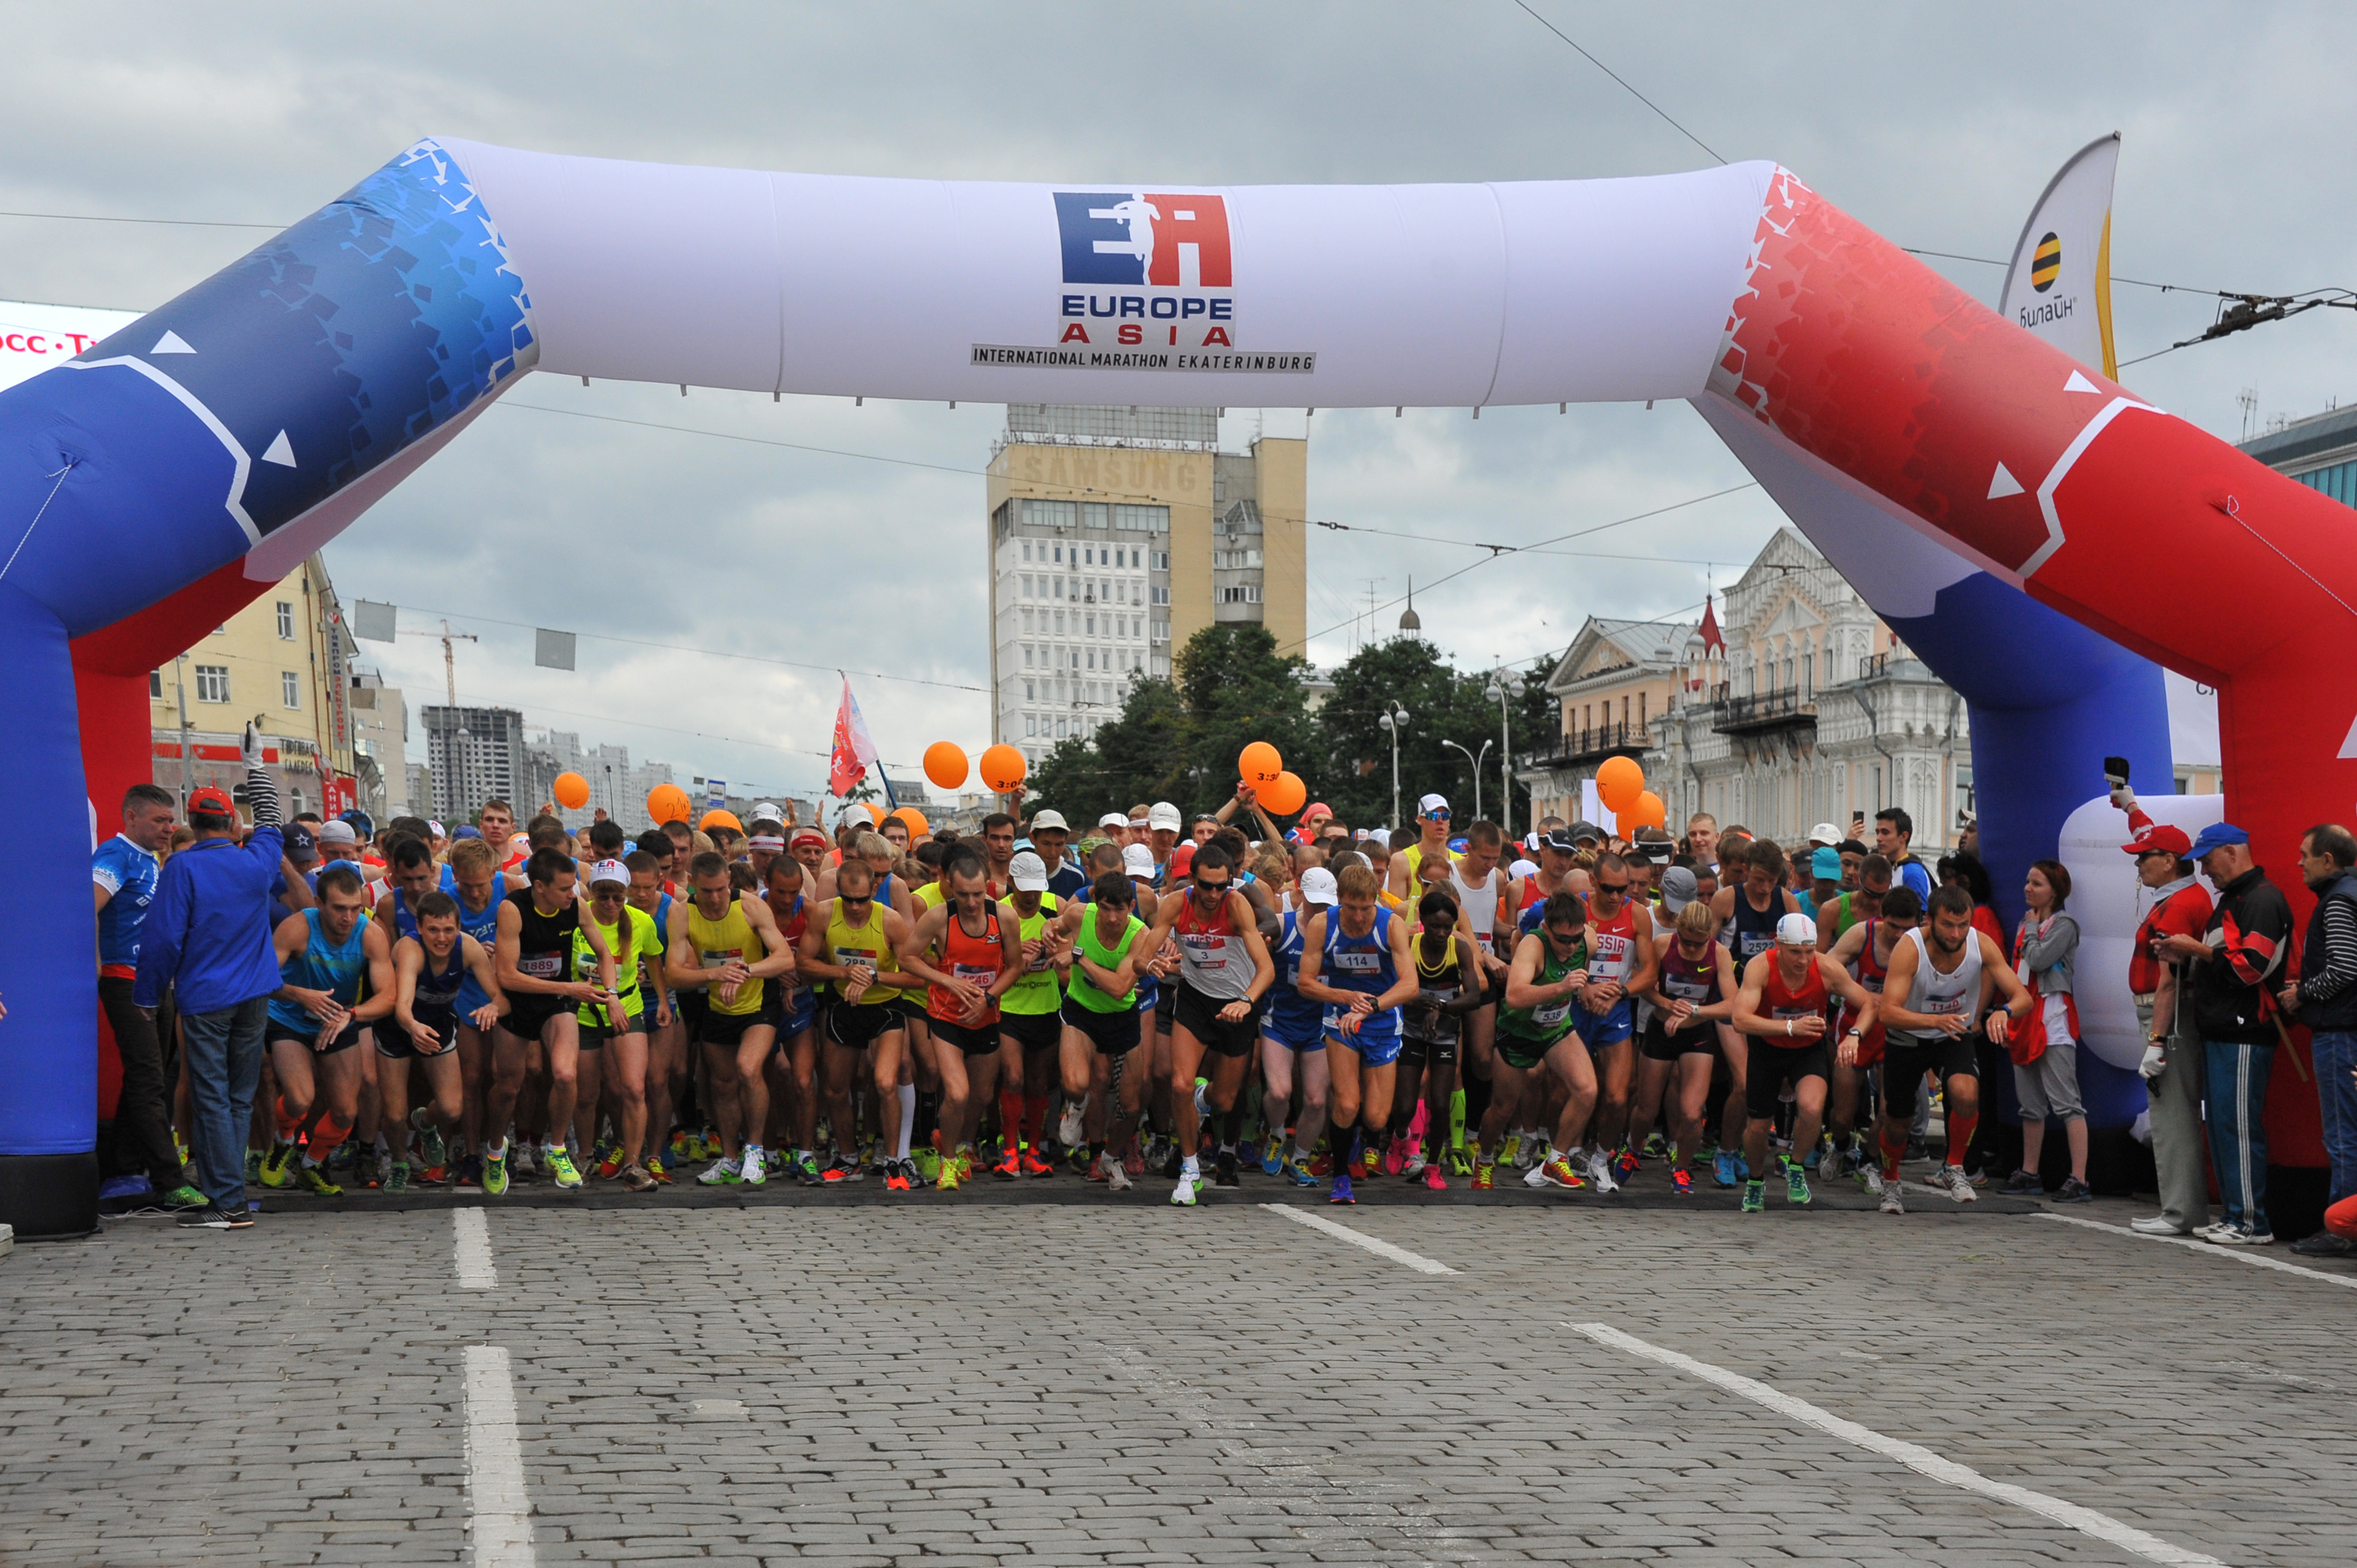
(1010, 1165)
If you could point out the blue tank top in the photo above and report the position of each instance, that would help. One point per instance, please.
(1362, 963)
(405, 919)
(483, 925)
(438, 990)
(340, 969)
(1286, 1006)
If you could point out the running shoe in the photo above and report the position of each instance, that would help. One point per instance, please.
(1070, 1128)
(964, 1162)
(1183, 1195)
(928, 1159)
(273, 1171)
(1322, 1164)
(521, 1164)
(1870, 1178)
(1796, 1182)
(1755, 1197)
(181, 1197)
(1682, 1181)
(1433, 1180)
(1395, 1157)
(953, 1177)
(559, 1165)
(1554, 1171)
(1366, 1163)
(1272, 1155)
(1625, 1165)
(1224, 1169)
(1484, 1176)
(432, 1175)
(1300, 1175)
(1511, 1153)
(429, 1137)
(1459, 1163)
(609, 1161)
(2242, 1236)
(1117, 1176)
(724, 1173)
(842, 1169)
(1722, 1168)
(1952, 1180)
(754, 1168)
(1655, 1149)
(805, 1167)
(2072, 1190)
(1599, 1172)
(638, 1178)
(495, 1175)
(1096, 1170)
(1340, 1192)
(1134, 1162)
(210, 1217)
(396, 1180)
(1010, 1165)
(656, 1168)
(313, 1179)
(252, 1166)
(377, 1169)
(894, 1181)
(1416, 1164)
(1816, 1156)
(2024, 1184)
(1830, 1167)
(1890, 1203)
(1033, 1165)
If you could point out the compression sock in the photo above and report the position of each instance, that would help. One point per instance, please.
(325, 1137)
(907, 1120)
(288, 1125)
(1960, 1134)
(1894, 1146)
(928, 1114)
(1232, 1125)
(1010, 1117)
(1477, 1100)
(1460, 1117)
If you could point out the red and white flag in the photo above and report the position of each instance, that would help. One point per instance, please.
(847, 764)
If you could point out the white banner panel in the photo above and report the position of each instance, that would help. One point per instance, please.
(34, 337)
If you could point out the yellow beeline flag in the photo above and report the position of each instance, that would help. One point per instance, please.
(2059, 285)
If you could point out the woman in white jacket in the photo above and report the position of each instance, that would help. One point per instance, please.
(2048, 1087)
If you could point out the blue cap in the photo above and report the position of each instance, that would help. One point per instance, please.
(360, 823)
(1824, 865)
(2217, 835)
(467, 833)
(300, 846)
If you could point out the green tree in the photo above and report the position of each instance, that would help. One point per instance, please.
(1442, 705)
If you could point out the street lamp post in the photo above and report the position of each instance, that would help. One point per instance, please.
(1497, 693)
(1476, 762)
(1393, 722)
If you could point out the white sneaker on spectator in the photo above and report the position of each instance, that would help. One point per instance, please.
(2235, 1236)
(2160, 1225)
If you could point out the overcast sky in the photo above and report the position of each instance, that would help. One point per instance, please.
(1937, 126)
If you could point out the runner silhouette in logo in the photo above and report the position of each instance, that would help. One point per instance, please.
(1140, 216)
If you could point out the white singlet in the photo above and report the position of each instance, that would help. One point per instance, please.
(1932, 992)
(1479, 905)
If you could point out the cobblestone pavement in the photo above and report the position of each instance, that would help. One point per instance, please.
(979, 1380)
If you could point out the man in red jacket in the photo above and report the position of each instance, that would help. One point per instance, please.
(2172, 1055)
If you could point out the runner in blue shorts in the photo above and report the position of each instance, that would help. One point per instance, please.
(1293, 1028)
(1355, 960)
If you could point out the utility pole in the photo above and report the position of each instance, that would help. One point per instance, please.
(180, 682)
(1393, 723)
(1497, 693)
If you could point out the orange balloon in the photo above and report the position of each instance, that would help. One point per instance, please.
(946, 766)
(1619, 783)
(1260, 765)
(668, 804)
(1002, 769)
(1648, 811)
(719, 819)
(572, 791)
(914, 819)
(1286, 796)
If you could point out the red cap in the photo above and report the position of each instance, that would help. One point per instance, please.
(2160, 839)
(1182, 860)
(214, 801)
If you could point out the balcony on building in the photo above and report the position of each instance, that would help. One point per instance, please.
(1585, 748)
(1787, 712)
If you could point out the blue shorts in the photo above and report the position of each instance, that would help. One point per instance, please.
(1306, 1033)
(1609, 1027)
(1377, 1042)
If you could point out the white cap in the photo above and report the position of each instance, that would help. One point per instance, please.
(1824, 833)
(1114, 819)
(1049, 819)
(437, 829)
(1523, 868)
(1797, 931)
(610, 871)
(1317, 886)
(1137, 860)
(1376, 835)
(1162, 817)
(337, 832)
(768, 808)
(1431, 803)
(1029, 872)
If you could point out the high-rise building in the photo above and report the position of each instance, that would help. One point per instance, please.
(615, 787)
(380, 745)
(475, 754)
(1116, 534)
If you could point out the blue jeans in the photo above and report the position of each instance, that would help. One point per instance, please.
(2336, 1096)
(224, 1066)
(2237, 1102)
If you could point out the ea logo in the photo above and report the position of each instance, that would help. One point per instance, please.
(2046, 264)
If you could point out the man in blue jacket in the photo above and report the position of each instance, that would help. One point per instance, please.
(207, 936)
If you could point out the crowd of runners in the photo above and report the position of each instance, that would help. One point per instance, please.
(1146, 1002)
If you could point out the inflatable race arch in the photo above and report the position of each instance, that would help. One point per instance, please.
(2023, 521)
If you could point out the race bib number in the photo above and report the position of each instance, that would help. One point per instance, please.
(1795, 1014)
(1692, 991)
(1206, 953)
(848, 957)
(716, 958)
(1432, 998)
(973, 973)
(1945, 1005)
(1359, 961)
(1609, 956)
(1555, 1012)
(541, 965)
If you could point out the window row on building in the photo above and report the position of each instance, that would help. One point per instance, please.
(1091, 590)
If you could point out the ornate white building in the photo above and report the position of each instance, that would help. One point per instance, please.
(1800, 707)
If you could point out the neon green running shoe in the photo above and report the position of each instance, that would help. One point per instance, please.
(495, 1174)
(559, 1165)
(396, 1180)
(1796, 1182)
(1755, 1197)
(315, 1180)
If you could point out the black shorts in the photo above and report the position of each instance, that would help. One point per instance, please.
(855, 1027)
(595, 1035)
(1906, 1058)
(527, 1016)
(1525, 1054)
(912, 1004)
(1417, 1055)
(1113, 1034)
(393, 1042)
(1767, 1067)
(1199, 1015)
(973, 1040)
(726, 1030)
(1166, 1005)
(343, 1042)
(1032, 1031)
(1660, 1046)
(691, 1004)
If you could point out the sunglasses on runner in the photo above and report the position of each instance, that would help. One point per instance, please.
(1615, 888)
(1566, 934)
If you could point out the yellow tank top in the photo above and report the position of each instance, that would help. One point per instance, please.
(928, 895)
(717, 941)
(1413, 855)
(847, 944)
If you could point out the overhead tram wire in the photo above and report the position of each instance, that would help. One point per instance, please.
(1615, 76)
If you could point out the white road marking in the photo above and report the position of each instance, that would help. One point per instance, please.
(2238, 1254)
(471, 1238)
(2087, 1521)
(1416, 1261)
(499, 1512)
